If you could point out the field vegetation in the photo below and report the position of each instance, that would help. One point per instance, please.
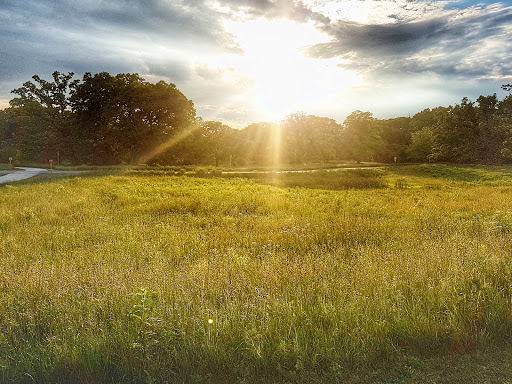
(5, 167)
(385, 275)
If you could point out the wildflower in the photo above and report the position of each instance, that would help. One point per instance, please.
(210, 321)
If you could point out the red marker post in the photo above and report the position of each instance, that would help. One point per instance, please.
(51, 164)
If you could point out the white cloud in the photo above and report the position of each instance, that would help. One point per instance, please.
(377, 11)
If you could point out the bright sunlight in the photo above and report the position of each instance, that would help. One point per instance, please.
(284, 79)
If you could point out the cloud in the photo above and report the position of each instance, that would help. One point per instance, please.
(221, 93)
(112, 35)
(474, 42)
(376, 11)
(378, 40)
(294, 10)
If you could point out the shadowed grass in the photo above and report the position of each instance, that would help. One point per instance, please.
(488, 175)
(330, 180)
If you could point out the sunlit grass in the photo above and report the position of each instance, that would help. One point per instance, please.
(166, 278)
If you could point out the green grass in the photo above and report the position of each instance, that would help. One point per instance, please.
(391, 276)
(5, 167)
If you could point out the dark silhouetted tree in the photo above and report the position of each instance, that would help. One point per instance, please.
(396, 138)
(53, 97)
(8, 129)
(123, 117)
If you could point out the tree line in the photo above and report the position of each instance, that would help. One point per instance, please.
(103, 119)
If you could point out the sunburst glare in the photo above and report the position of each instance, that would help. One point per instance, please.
(285, 79)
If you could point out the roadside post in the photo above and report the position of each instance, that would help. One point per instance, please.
(10, 162)
(51, 164)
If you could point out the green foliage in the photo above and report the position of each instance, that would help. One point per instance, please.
(30, 141)
(123, 117)
(469, 132)
(361, 138)
(102, 119)
(218, 141)
(396, 137)
(8, 129)
(308, 138)
(422, 145)
(44, 116)
(258, 144)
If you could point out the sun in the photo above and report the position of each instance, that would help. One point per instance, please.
(285, 80)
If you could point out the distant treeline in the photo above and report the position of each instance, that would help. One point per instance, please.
(104, 120)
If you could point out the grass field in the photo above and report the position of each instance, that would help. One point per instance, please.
(388, 275)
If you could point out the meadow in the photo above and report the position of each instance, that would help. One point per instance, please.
(388, 275)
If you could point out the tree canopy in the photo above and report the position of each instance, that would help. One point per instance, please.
(101, 119)
(113, 119)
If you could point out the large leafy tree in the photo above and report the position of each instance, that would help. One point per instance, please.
(362, 139)
(422, 143)
(491, 134)
(425, 145)
(457, 133)
(123, 117)
(307, 138)
(218, 142)
(295, 135)
(396, 137)
(324, 135)
(101, 119)
(504, 123)
(44, 111)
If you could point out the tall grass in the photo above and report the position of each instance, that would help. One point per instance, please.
(175, 279)
(339, 179)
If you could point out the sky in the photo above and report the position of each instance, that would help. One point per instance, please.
(247, 61)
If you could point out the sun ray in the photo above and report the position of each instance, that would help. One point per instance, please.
(171, 142)
(277, 146)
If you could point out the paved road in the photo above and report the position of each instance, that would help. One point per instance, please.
(21, 175)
